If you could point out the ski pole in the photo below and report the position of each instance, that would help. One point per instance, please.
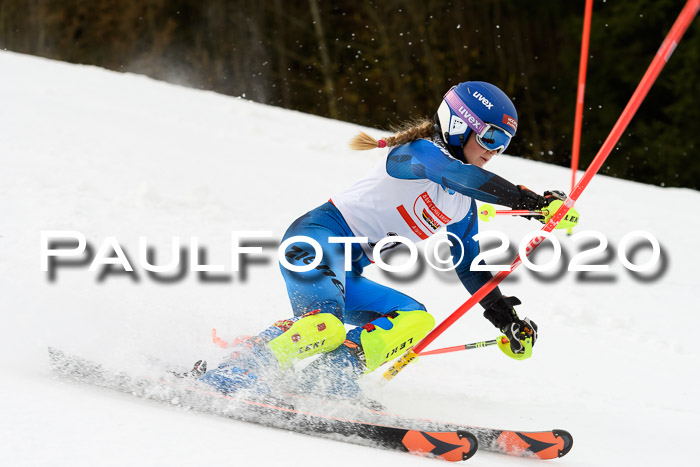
(475, 345)
(662, 56)
(518, 212)
(487, 212)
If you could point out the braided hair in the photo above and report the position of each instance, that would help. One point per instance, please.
(411, 131)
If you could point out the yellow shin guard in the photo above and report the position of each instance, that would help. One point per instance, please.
(388, 337)
(309, 335)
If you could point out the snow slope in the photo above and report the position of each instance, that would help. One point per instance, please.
(110, 154)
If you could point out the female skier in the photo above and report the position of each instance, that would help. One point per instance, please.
(430, 177)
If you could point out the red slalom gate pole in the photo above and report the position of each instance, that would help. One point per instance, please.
(583, 63)
(669, 44)
(686, 16)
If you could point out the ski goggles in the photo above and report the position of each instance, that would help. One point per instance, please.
(488, 135)
(494, 138)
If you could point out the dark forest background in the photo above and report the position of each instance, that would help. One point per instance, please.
(379, 63)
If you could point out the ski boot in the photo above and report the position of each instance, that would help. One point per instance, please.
(366, 348)
(260, 363)
(247, 367)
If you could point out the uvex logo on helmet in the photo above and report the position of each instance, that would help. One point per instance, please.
(483, 100)
(469, 117)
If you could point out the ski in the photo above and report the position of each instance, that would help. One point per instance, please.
(546, 444)
(449, 445)
(320, 417)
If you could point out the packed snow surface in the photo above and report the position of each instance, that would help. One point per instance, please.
(118, 155)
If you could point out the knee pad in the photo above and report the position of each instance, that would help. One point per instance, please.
(307, 335)
(388, 337)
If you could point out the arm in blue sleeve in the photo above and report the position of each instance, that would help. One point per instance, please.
(424, 159)
(472, 280)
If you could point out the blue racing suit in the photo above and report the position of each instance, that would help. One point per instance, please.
(357, 300)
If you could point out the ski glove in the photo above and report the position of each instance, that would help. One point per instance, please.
(518, 331)
(530, 200)
(502, 315)
(533, 202)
